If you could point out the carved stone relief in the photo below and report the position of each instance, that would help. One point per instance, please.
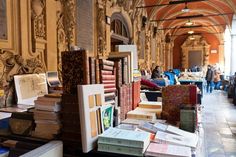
(10, 65)
(38, 19)
(68, 13)
(65, 28)
(101, 29)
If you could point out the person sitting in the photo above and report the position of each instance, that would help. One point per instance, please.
(156, 73)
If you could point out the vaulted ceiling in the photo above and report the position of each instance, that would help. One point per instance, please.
(208, 16)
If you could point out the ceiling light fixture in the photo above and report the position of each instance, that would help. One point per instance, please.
(185, 9)
(189, 23)
(190, 32)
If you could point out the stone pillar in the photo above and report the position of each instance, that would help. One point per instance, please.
(221, 55)
(233, 54)
(233, 46)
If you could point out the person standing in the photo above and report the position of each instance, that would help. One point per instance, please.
(209, 78)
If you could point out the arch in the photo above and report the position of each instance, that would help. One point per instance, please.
(120, 31)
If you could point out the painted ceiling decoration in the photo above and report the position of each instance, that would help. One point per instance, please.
(178, 17)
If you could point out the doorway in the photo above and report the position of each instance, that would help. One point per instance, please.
(119, 31)
(195, 58)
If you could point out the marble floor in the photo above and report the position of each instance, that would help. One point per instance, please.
(219, 124)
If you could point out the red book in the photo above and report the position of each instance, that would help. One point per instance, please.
(109, 85)
(106, 67)
(108, 77)
(107, 90)
(108, 81)
(106, 62)
(135, 94)
(106, 72)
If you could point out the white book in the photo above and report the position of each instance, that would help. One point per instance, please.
(168, 138)
(29, 87)
(161, 126)
(167, 150)
(115, 136)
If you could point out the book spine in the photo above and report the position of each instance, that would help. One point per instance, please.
(108, 77)
(92, 70)
(86, 68)
(106, 62)
(106, 67)
(108, 81)
(140, 116)
(107, 90)
(97, 71)
(120, 149)
(120, 142)
(109, 85)
(106, 72)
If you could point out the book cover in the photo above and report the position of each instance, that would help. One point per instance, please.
(135, 114)
(148, 127)
(150, 104)
(169, 138)
(120, 137)
(75, 70)
(106, 117)
(167, 150)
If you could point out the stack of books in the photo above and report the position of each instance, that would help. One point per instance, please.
(120, 141)
(107, 77)
(71, 126)
(46, 116)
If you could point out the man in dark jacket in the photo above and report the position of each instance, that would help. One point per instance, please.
(209, 78)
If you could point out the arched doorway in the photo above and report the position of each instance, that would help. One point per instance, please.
(120, 34)
(195, 51)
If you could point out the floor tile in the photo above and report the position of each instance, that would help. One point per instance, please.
(219, 125)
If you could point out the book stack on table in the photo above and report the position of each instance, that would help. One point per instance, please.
(122, 141)
(46, 116)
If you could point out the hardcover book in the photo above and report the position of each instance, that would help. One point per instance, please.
(167, 150)
(75, 70)
(120, 137)
(168, 138)
(120, 149)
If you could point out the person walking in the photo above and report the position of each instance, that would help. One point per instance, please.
(209, 78)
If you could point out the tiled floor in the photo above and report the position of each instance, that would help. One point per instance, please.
(219, 124)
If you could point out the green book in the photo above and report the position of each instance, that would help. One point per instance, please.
(120, 149)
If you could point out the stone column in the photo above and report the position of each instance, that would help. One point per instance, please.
(221, 55)
(233, 54)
